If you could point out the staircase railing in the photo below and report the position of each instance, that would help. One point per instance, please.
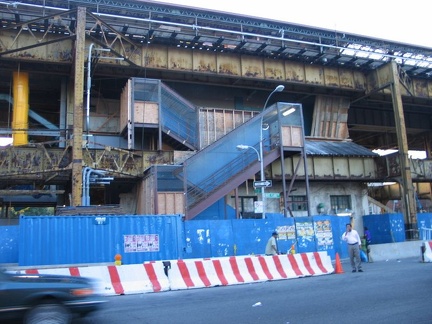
(222, 177)
(218, 164)
(179, 118)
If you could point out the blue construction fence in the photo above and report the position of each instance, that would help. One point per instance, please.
(218, 238)
(391, 228)
(51, 240)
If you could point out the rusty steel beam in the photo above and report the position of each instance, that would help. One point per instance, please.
(22, 160)
(77, 153)
(408, 197)
(34, 39)
(30, 192)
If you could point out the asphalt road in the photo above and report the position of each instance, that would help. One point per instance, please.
(394, 291)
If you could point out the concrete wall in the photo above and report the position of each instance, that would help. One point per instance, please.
(319, 192)
(395, 251)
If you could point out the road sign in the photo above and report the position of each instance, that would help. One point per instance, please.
(272, 195)
(258, 207)
(264, 183)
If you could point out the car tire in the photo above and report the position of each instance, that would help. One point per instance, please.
(49, 313)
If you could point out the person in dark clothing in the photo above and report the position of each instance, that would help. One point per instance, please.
(368, 238)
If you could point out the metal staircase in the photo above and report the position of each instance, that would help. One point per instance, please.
(220, 167)
(179, 118)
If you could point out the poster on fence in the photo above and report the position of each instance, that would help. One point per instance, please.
(141, 243)
(286, 232)
(324, 234)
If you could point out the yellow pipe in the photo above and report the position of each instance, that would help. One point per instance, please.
(20, 108)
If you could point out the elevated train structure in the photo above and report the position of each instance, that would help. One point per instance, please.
(131, 90)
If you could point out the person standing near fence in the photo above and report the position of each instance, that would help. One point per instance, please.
(271, 247)
(367, 241)
(353, 240)
(367, 236)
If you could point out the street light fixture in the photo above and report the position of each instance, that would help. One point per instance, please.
(279, 88)
(260, 156)
(245, 147)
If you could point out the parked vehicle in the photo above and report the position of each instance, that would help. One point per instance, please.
(36, 298)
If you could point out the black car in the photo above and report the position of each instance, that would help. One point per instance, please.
(36, 298)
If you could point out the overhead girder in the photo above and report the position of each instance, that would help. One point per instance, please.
(304, 78)
(306, 44)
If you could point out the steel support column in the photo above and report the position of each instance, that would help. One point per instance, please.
(408, 197)
(77, 154)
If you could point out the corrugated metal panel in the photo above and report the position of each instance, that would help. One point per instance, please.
(97, 239)
(9, 244)
(385, 228)
(208, 238)
(211, 238)
(338, 148)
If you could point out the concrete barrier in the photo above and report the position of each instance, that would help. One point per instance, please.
(427, 251)
(394, 251)
(118, 280)
(199, 273)
(196, 273)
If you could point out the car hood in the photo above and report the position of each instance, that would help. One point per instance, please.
(52, 278)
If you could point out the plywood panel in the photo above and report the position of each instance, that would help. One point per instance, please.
(292, 136)
(145, 196)
(330, 117)
(146, 112)
(215, 123)
(170, 203)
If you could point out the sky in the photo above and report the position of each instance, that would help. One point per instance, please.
(406, 22)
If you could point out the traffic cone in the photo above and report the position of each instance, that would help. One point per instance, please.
(338, 265)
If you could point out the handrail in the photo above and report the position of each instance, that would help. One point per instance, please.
(178, 117)
(222, 176)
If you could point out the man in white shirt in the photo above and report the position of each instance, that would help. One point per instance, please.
(352, 237)
(271, 247)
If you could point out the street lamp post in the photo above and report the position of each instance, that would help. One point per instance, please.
(245, 147)
(279, 88)
(260, 154)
